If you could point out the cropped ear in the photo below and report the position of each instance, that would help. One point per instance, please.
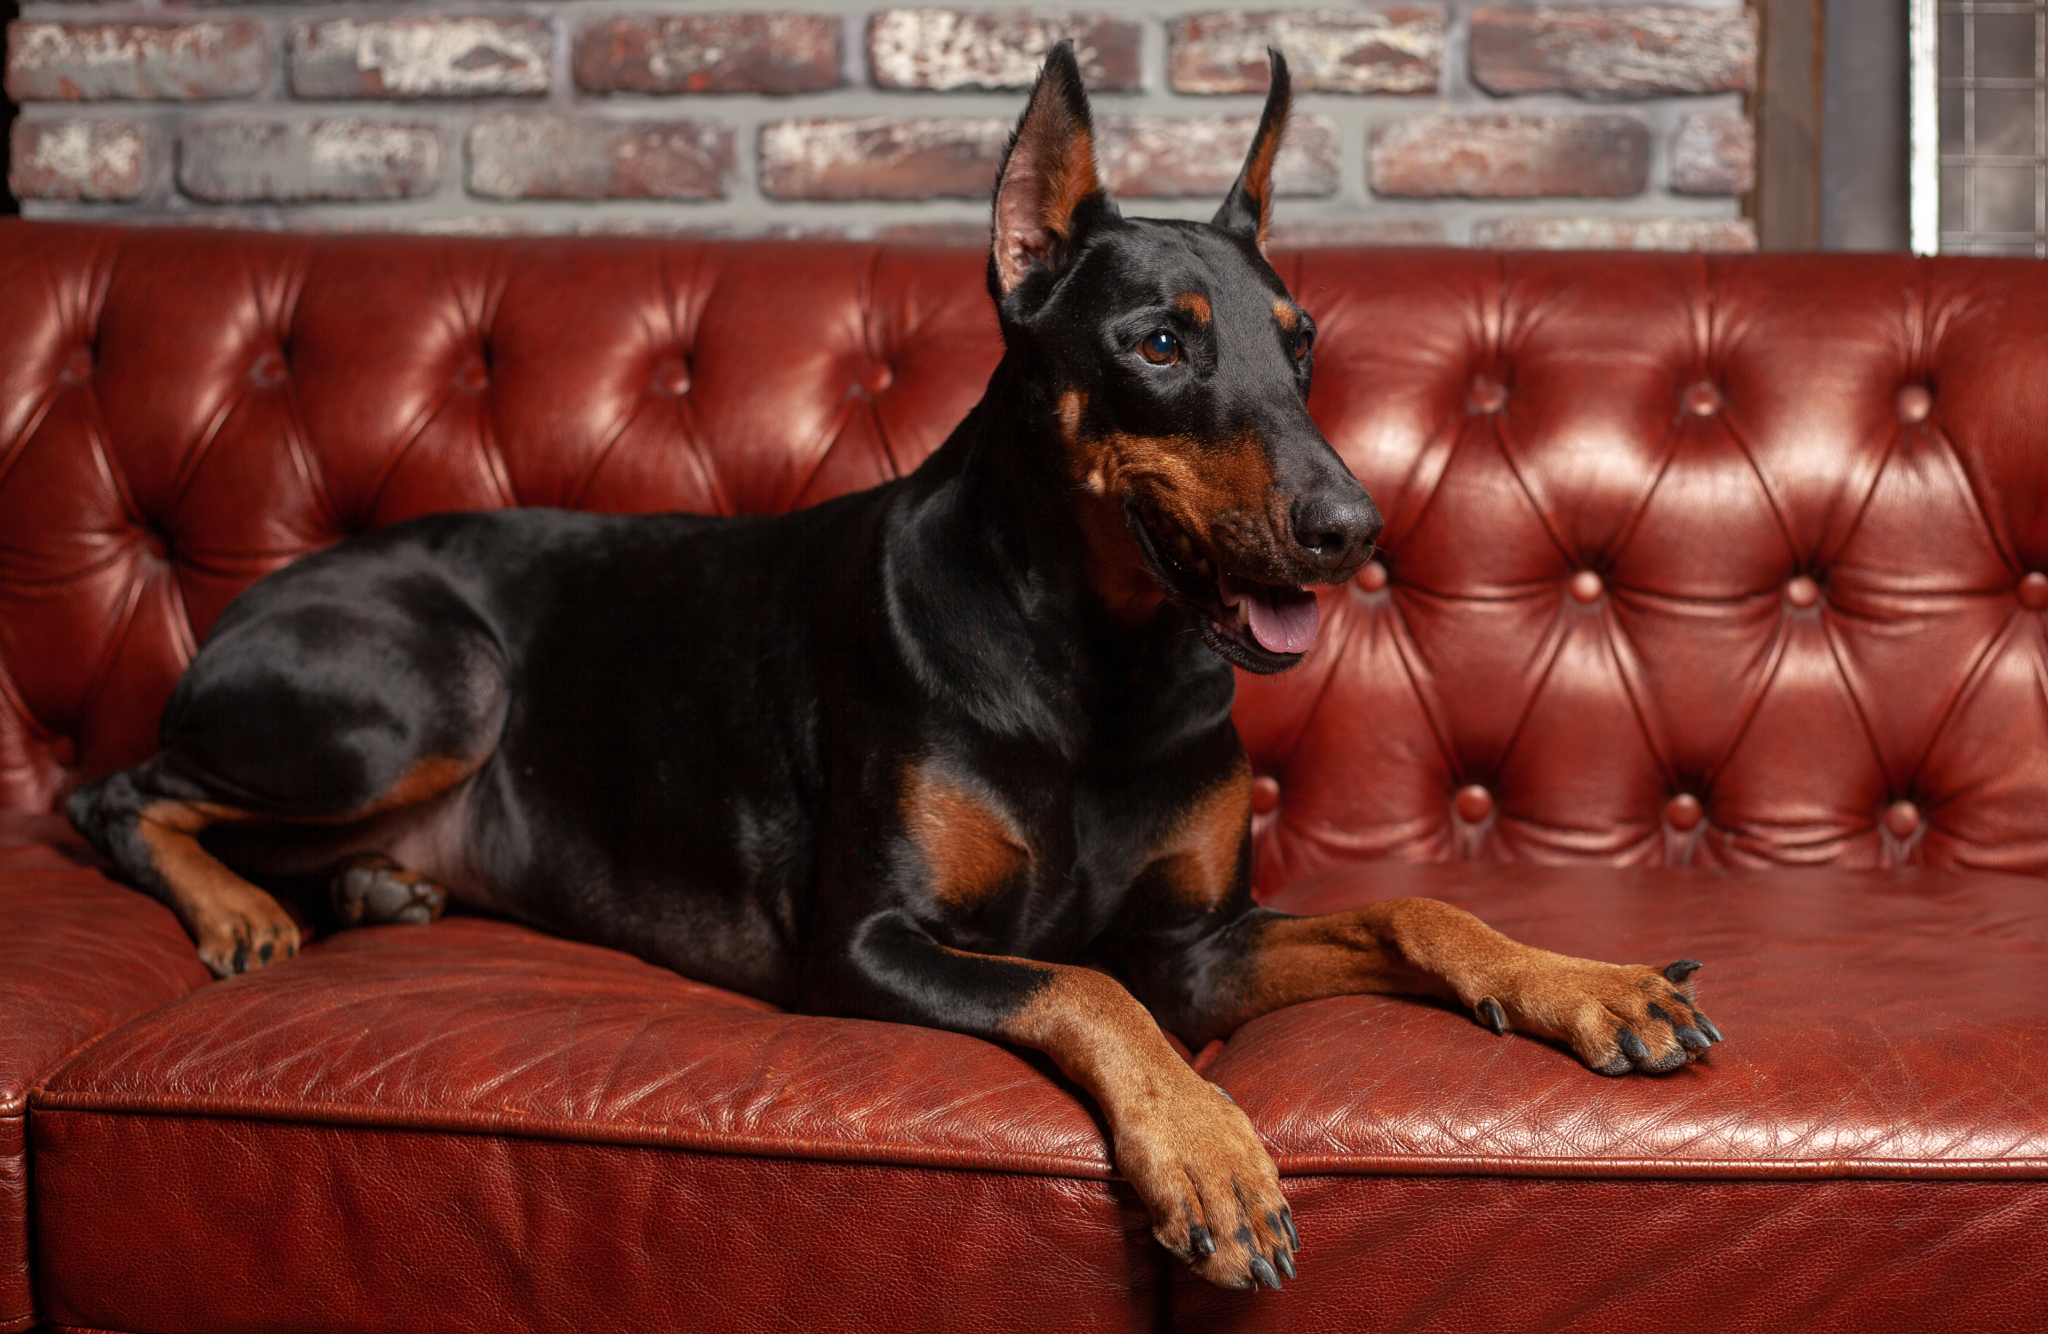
(1248, 209)
(1048, 187)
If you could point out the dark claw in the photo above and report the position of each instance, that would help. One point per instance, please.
(1200, 1242)
(1691, 1038)
(241, 961)
(1707, 1026)
(1677, 972)
(1632, 1046)
(1286, 1265)
(1492, 1016)
(1263, 1272)
(1287, 1222)
(268, 949)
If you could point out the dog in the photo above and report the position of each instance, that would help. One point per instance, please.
(955, 751)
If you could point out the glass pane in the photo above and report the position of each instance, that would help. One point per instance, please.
(2005, 199)
(1952, 199)
(2005, 46)
(2005, 122)
(1950, 45)
(1951, 120)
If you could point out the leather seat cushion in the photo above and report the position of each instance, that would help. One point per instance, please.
(431, 1128)
(1867, 1147)
(78, 956)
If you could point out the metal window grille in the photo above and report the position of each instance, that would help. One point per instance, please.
(1980, 126)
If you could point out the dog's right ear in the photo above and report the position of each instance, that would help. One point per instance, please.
(1048, 191)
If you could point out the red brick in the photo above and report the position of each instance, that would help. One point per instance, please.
(1510, 156)
(1311, 232)
(96, 160)
(1165, 157)
(271, 161)
(1593, 233)
(1371, 49)
(952, 49)
(582, 157)
(882, 157)
(90, 62)
(956, 157)
(1639, 51)
(708, 53)
(1713, 153)
(420, 57)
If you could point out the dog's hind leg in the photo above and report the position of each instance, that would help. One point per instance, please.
(151, 832)
(370, 889)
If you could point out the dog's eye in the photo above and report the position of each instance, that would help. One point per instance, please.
(1302, 341)
(1160, 348)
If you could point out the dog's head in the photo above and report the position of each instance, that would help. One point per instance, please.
(1173, 368)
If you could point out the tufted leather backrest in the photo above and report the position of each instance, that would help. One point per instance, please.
(1711, 561)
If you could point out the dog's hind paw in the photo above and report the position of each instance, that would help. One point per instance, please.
(373, 890)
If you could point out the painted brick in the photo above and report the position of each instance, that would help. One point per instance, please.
(420, 57)
(1357, 232)
(1638, 51)
(882, 157)
(581, 157)
(1713, 153)
(1587, 233)
(96, 160)
(1165, 157)
(266, 161)
(886, 157)
(708, 53)
(1510, 156)
(89, 62)
(951, 49)
(1372, 49)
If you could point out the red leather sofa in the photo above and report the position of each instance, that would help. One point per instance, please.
(1710, 623)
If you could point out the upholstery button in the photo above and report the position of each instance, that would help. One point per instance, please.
(1683, 812)
(64, 751)
(1902, 818)
(1801, 591)
(672, 377)
(1587, 586)
(875, 379)
(1265, 795)
(1914, 403)
(269, 368)
(156, 544)
(1473, 804)
(476, 375)
(2034, 591)
(1372, 577)
(1702, 399)
(77, 366)
(1487, 395)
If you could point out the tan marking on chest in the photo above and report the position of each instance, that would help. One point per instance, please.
(1200, 855)
(970, 849)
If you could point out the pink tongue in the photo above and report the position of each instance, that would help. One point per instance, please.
(1284, 628)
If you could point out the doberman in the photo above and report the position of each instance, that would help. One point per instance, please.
(945, 752)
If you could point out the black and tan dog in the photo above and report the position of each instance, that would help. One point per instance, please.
(956, 751)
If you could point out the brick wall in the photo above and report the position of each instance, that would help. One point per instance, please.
(1602, 125)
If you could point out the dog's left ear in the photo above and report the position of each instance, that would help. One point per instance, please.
(1248, 209)
(1048, 190)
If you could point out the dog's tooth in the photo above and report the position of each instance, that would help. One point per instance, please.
(1244, 613)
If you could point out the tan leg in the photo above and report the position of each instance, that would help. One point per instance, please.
(236, 925)
(1616, 1017)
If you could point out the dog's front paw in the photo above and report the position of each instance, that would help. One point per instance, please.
(1618, 1018)
(1211, 1187)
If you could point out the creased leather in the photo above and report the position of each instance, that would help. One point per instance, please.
(79, 955)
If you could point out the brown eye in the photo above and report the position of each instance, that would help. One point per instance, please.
(1160, 348)
(1302, 339)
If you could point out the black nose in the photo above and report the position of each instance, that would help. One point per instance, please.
(1334, 529)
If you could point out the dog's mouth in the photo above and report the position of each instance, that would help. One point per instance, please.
(1261, 627)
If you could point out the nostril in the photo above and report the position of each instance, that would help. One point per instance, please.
(1332, 528)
